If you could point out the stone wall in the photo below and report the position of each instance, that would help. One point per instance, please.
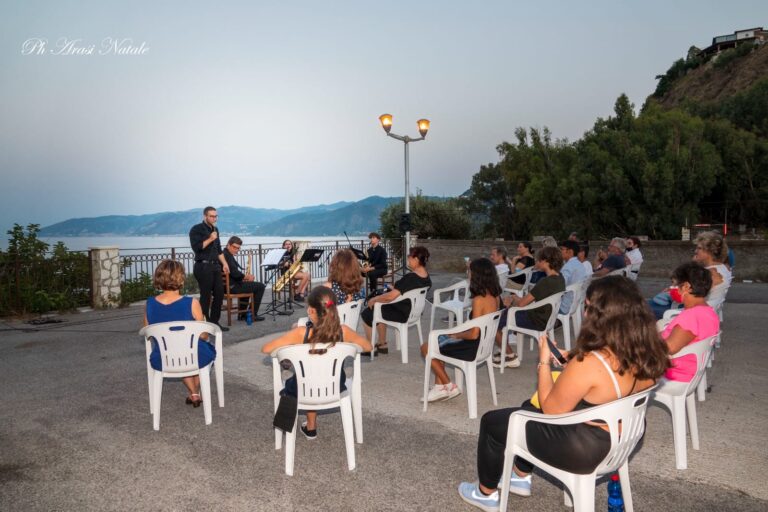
(660, 257)
(105, 276)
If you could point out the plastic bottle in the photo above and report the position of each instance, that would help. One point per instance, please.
(615, 499)
(248, 317)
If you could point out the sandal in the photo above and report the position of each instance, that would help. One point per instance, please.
(382, 349)
(194, 402)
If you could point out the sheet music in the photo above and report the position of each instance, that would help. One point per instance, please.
(273, 257)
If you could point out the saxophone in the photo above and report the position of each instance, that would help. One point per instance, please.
(287, 277)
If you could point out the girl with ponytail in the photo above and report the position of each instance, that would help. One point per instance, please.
(324, 326)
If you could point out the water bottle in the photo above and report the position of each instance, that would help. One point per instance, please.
(248, 317)
(615, 499)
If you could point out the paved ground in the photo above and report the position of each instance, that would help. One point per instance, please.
(76, 432)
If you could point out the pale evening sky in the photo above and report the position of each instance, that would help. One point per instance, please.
(265, 105)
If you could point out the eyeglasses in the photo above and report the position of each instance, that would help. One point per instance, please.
(236, 247)
(213, 216)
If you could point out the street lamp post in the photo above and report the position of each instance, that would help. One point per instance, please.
(423, 124)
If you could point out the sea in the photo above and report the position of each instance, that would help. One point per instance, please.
(154, 244)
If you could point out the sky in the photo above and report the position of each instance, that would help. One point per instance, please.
(276, 104)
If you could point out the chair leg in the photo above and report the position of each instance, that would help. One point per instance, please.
(504, 344)
(349, 436)
(229, 312)
(357, 410)
(693, 424)
(157, 391)
(701, 389)
(567, 332)
(374, 325)
(626, 490)
(472, 391)
(150, 382)
(290, 448)
(520, 341)
(493, 381)
(218, 374)
(278, 439)
(403, 336)
(205, 390)
(432, 319)
(458, 377)
(506, 474)
(418, 330)
(678, 432)
(584, 493)
(427, 366)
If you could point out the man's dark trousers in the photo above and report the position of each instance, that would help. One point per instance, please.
(254, 287)
(208, 277)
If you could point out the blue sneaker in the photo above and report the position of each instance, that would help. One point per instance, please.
(470, 492)
(520, 485)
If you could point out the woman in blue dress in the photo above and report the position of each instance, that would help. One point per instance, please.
(171, 306)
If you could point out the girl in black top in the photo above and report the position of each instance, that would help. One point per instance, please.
(485, 292)
(417, 278)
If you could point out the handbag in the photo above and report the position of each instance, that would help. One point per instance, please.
(285, 416)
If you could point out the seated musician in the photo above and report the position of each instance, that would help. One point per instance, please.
(301, 278)
(376, 266)
(240, 281)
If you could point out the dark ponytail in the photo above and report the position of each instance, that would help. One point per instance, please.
(328, 326)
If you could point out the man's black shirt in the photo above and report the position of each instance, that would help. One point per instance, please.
(197, 235)
(236, 275)
(377, 258)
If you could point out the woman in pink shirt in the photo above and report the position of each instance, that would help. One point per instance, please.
(691, 283)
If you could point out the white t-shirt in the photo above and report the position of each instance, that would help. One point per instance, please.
(588, 267)
(635, 256)
(502, 267)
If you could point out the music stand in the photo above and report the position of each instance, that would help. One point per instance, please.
(271, 265)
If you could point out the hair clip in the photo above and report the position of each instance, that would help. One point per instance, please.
(329, 303)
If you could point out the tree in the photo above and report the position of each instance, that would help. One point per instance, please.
(430, 218)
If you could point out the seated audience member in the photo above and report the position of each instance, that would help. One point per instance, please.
(612, 260)
(242, 282)
(523, 260)
(547, 241)
(618, 352)
(549, 261)
(417, 278)
(171, 306)
(574, 237)
(499, 259)
(573, 271)
(324, 326)
(344, 277)
(485, 292)
(691, 283)
(633, 255)
(583, 256)
(376, 266)
(300, 278)
(711, 250)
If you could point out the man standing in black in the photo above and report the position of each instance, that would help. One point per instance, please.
(377, 262)
(242, 282)
(209, 262)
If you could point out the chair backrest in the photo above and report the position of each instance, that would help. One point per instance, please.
(702, 350)
(553, 300)
(317, 375)
(488, 325)
(349, 313)
(503, 276)
(177, 342)
(577, 291)
(418, 298)
(626, 421)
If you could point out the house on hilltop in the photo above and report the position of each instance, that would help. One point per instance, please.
(751, 35)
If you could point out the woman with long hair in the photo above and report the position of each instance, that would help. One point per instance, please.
(171, 306)
(344, 277)
(300, 278)
(418, 277)
(618, 353)
(324, 326)
(485, 292)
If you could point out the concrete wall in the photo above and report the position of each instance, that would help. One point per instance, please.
(660, 257)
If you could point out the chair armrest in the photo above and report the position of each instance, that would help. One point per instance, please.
(435, 333)
(436, 299)
(377, 307)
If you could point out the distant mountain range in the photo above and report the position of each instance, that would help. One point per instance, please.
(355, 218)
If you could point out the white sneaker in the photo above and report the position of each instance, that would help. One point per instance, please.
(437, 393)
(452, 390)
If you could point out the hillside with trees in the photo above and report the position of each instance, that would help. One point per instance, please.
(697, 152)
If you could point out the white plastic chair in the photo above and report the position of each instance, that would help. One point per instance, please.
(457, 304)
(317, 379)
(701, 390)
(626, 422)
(634, 271)
(349, 314)
(679, 398)
(527, 273)
(488, 324)
(177, 342)
(573, 315)
(552, 300)
(418, 298)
